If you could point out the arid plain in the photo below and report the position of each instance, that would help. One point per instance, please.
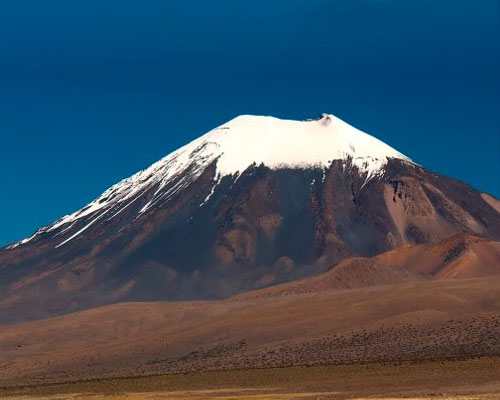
(420, 338)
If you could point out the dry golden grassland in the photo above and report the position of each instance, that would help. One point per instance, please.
(470, 379)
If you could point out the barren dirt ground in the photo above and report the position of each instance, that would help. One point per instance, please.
(446, 320)
(469, 379)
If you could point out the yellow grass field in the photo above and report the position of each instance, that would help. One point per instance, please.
(476, 379)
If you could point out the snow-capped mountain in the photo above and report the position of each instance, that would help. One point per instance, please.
(233, 148)
(251, 203)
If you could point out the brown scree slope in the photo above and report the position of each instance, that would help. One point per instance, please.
(265, 228)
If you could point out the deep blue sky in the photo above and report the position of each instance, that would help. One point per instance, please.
(93, 90)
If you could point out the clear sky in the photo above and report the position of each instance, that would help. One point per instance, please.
(92, 91)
